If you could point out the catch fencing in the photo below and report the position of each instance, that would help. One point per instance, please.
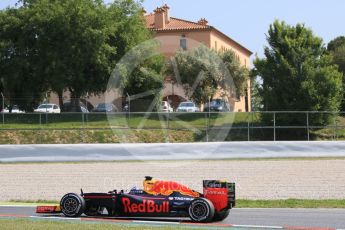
(36, 128)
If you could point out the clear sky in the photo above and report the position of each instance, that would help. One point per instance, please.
(247, 21)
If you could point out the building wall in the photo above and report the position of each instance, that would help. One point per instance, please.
(221, 43)
(170, 43)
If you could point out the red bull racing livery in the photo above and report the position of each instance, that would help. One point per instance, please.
(157, 199)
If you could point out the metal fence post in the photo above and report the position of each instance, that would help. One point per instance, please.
(129, 107)
(335, 127)
(168, 125)
(308, 132)
(40, 140)
(207, 121)
(82, 126)
(3, 108)
(248, 133)
(274, 126)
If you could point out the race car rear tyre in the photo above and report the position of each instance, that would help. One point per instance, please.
(201, 210)
(72, 205)
(219, 216)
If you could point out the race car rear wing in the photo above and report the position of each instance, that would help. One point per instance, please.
(222, 194)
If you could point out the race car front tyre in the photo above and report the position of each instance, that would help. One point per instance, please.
(72, 205)
(201, 210)
(219, 216)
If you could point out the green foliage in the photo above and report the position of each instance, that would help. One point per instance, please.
(144, 79)
(65, 44)
(336, 43)
(140, 73)
(17, 44)
(290, 203)
(297, 73)
(337, 49)
(339, 58)
(240, 74)
(257, 102)
(203, 72)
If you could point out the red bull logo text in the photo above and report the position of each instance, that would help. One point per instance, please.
(147, 206)
(166, 188)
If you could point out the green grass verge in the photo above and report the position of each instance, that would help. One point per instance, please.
(118, 128)
(240, 203)
(19, 224)
(151, 128)
(290, 203)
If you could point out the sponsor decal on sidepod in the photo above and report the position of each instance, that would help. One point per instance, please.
(147, 206)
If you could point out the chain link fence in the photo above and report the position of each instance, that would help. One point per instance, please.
(37, 128)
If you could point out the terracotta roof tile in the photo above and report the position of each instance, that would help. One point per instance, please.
(174, 24)
(181, 24)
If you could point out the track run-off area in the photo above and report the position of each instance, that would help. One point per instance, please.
(292, 219)
(33, 172)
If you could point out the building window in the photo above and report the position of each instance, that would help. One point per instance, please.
(183, 43)
(215, 45)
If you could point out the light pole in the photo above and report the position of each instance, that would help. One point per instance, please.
(3, 108)
(129, 106)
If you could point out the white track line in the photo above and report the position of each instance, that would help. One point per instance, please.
(55, 218)
(154, 222)
(257, 226)
(18, 206)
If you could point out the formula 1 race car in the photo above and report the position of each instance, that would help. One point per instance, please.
(157, 199)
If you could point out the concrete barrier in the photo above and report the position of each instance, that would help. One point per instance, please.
(183, 151)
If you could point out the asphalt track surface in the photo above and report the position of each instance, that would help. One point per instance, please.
(256, 218)
(176, 151)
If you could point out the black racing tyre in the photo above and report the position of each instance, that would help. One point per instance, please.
(219, 216)
(201, 210)
(72, 205)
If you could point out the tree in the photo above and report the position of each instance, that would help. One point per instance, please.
(336, 48)
(149, 76)
(257, 104)
(297, 73)
(66, 44)
(203, 72)
(18, 55)
(336, 43)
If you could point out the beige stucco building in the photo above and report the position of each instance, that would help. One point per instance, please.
(174, 34)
